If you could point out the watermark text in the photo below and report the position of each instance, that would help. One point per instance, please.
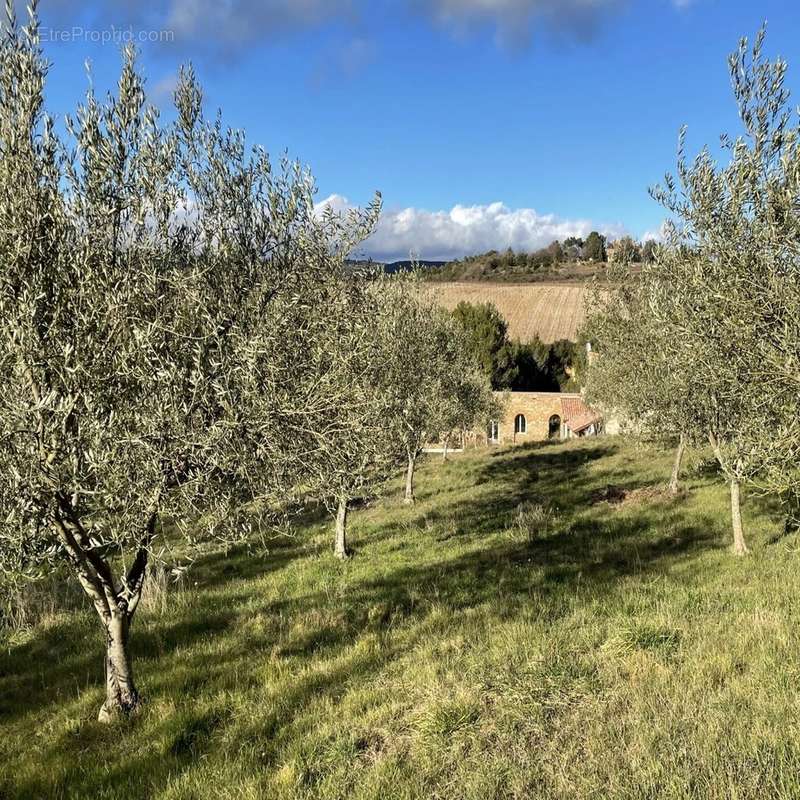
(110, 35)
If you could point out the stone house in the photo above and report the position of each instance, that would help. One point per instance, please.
(539, 416)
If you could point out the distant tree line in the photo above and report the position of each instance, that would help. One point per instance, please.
(555, 259)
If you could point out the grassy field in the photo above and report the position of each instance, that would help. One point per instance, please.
(467, 650)
(549, 311)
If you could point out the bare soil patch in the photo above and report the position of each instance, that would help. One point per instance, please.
(619, 496)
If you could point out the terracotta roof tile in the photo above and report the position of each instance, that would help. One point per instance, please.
(573, 407)
(577, 415)
(577, 424)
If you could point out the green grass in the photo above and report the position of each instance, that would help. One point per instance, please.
(613, 652)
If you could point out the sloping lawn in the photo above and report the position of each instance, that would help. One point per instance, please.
(467, 650)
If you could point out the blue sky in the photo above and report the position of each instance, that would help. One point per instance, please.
(484, 123)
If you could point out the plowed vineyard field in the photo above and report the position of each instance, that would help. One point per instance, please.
(551, 311)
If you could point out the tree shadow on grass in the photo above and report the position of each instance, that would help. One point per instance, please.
(245, 562)
(781, 513)
(504, 577)
(547, 567)
(596, 543)
(71, 655)
(535, 472)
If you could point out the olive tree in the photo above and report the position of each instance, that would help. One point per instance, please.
(735, 253)
(465, 400)
(358, 449)
(432, 382)
(722, 296)
(633, 373)
(160, 293)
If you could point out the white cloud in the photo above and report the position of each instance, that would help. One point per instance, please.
(464, 230)
(336, 202)
(658, 234)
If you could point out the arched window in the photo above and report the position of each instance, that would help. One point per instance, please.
(494, 431)
(554, 427)
(520, 425)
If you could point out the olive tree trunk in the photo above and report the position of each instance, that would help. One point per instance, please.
(412, 460)
(122, 697)
(676, 466)
(739, 545)
(114, 600)
(340, 547)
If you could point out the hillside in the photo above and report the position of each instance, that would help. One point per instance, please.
(551, 311)
(484, 268)
(464, 652)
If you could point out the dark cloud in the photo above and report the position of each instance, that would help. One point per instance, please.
(514, 21)
(226, 28)
(214, 28)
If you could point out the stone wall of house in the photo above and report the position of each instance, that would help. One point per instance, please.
(537, 408)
